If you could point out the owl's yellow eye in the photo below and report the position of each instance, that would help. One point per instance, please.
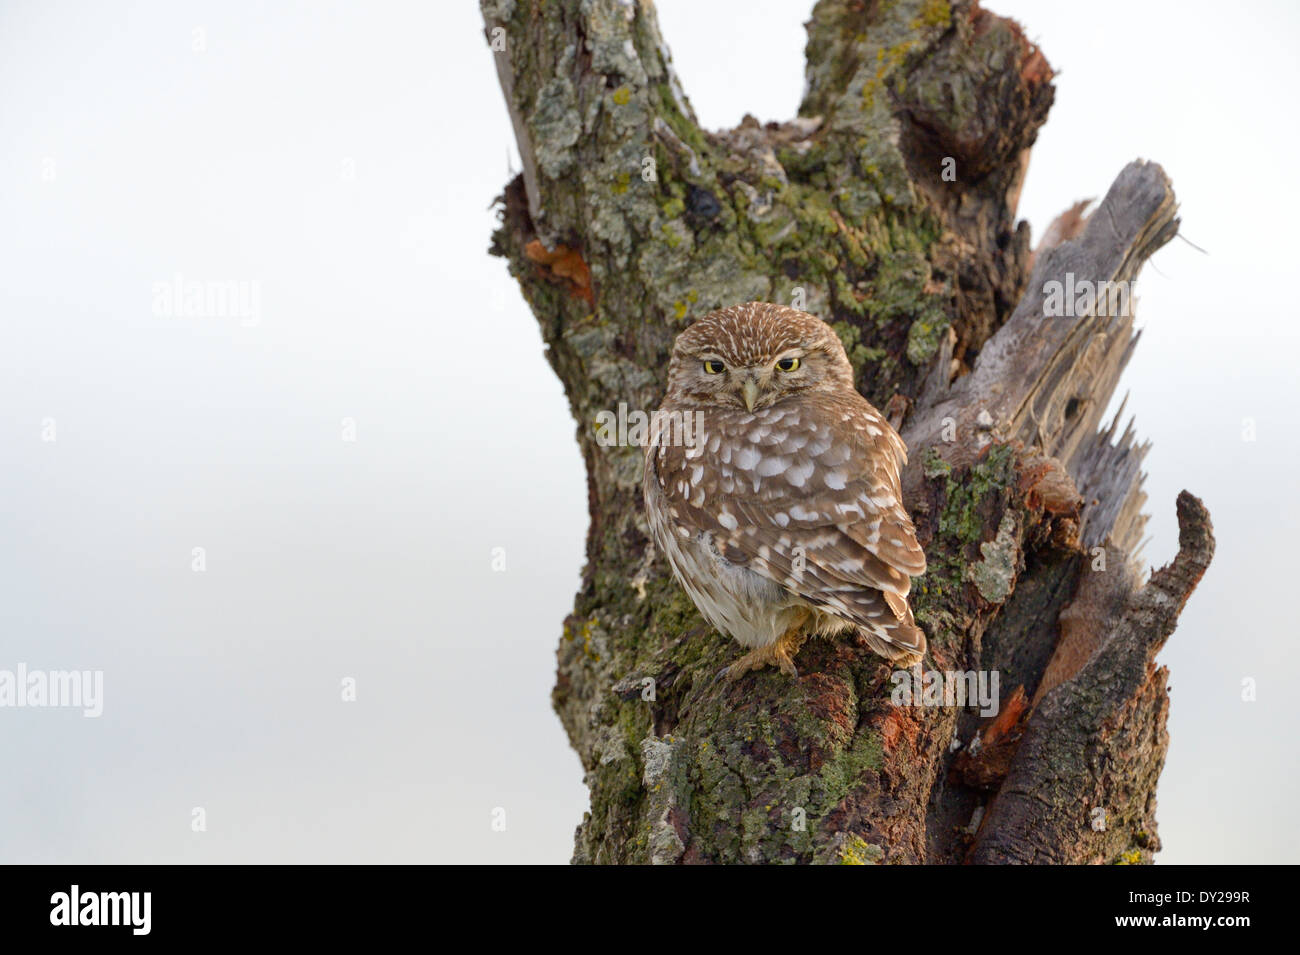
(714, 367)
(788, 364)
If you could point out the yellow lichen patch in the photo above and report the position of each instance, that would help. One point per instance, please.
(934, 13)
(857, 851)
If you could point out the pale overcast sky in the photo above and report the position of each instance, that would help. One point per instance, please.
(340, 159)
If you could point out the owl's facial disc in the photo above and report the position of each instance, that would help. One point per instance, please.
(762, 384)
(746, 385)
(753, 356)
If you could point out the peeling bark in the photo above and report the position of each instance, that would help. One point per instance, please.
(887, 207)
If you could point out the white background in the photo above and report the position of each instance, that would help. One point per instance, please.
(372, 559)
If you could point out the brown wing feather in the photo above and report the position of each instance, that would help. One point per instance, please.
(807, 496)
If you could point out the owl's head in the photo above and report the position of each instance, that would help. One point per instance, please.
(751, 356)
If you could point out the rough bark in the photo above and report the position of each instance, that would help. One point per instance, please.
(629, 221)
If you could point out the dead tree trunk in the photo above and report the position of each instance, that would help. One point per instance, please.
(887, 208)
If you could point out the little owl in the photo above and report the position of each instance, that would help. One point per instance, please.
(782, 516)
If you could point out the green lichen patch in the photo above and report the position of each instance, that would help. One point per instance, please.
(995, 575)
(925, 335)
(971, 502)
(556, 126)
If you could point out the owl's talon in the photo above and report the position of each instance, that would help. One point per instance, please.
(775, 654)
(734, 671)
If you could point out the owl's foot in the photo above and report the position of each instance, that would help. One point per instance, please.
(779, 654)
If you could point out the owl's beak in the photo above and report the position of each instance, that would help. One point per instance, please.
(749, 391)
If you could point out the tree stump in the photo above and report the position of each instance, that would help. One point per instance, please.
(887, 208)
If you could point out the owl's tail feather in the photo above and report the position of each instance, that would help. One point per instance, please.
(901, 644)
